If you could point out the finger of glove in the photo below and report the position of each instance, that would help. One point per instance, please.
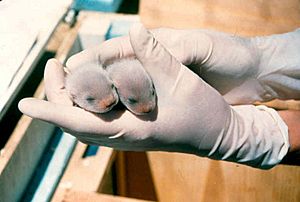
(71, 118)
(158, 62)
(79, 59)
(104, 54)
(190, 47)
(54, 77)
(178, 44)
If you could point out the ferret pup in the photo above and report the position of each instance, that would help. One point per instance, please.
(134, 86)
(91, 89)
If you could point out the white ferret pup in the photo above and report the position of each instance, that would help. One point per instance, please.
(134, 86)
(91, 89)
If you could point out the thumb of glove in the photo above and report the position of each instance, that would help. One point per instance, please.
(156, 60)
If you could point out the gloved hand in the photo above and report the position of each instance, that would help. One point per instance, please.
(244, 70)
(191, 116)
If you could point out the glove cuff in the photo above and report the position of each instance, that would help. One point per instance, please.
(256, 136)
(283, 130)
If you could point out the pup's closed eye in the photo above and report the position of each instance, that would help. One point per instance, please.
(90, 99)
(131, 100)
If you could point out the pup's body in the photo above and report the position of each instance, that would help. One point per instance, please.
(90, 88)
(134, 85)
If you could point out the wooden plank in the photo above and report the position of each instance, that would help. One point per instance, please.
(54, 170)
(21, 155)
(79, 196)
(132, 171)
(66, 181)
(283, 104)
(69, 46)
(59, 36)
(121, 174)
(19, 131)
(245, 18)
(85, 174)
(195, 179)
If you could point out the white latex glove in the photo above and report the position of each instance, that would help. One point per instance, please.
(244, 70)
(191, 116)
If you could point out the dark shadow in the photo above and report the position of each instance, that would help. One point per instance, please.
(152, 116)
(12, 116)
(119, 109)
(114, 114)
(292, 158)
(137, 178)
(129, 7)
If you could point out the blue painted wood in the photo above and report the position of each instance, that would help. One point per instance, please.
(97, 5)
(118, 28)
(51, 168)
(91, 150)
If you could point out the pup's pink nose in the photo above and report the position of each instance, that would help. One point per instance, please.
(108, 102)
(146, 109)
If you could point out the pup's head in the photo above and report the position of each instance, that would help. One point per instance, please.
(134, 86)
(90, 88)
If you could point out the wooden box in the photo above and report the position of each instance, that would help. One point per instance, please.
(109, 175)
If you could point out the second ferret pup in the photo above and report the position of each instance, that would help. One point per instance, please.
(91, 89)
(134, 85)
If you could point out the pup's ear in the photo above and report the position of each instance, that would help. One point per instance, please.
(116, 83)
(72, 95)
